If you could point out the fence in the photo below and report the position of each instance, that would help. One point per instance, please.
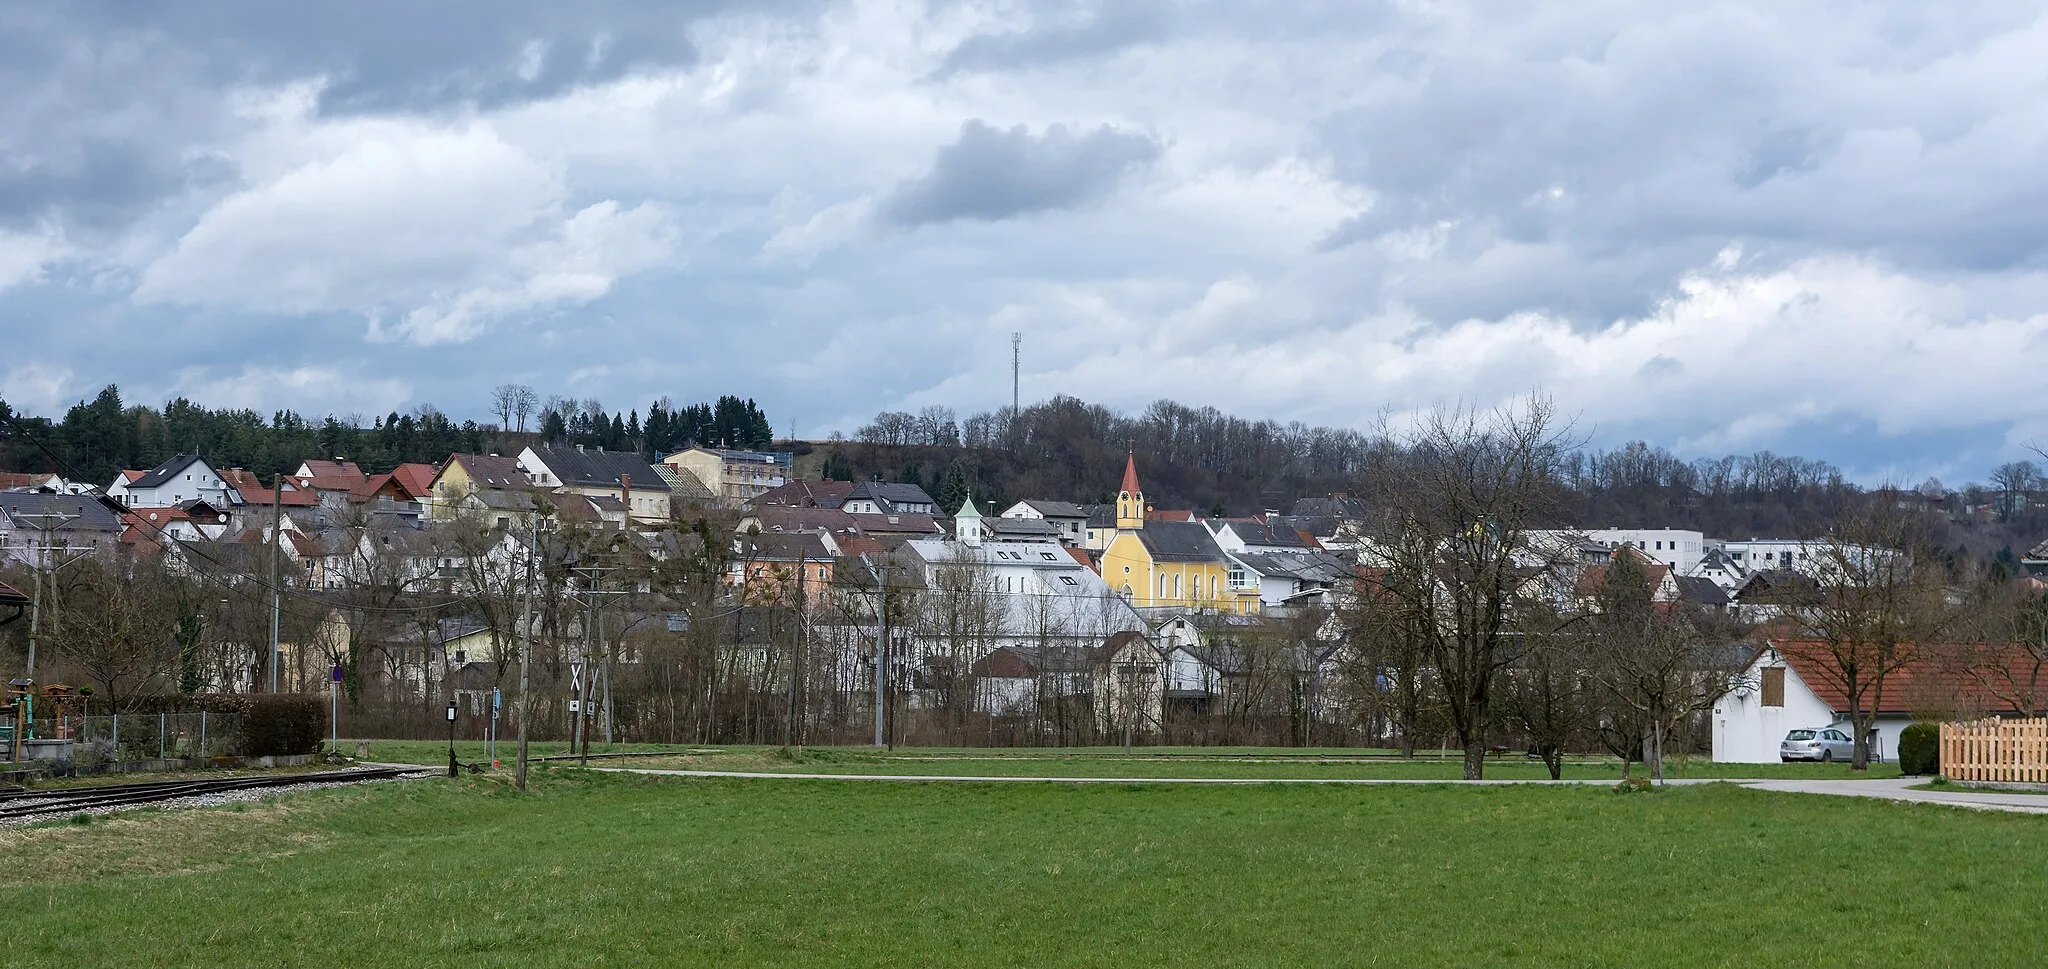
(144, 736)
(2014, 751)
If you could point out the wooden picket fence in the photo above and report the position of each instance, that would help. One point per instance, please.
(2015, 751)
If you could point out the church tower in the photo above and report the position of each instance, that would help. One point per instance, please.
(1130, 499)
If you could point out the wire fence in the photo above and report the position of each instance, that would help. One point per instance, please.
(143, 736)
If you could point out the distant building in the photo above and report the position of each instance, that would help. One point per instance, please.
(182, 478)
(735, 476)
(1069, 521)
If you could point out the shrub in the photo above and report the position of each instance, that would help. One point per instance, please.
(1635, 785)
(1920, 749)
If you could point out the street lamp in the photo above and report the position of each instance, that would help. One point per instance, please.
(451, 738)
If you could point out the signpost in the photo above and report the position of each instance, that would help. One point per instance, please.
(497, 702)
(451, 739)
(334, 706)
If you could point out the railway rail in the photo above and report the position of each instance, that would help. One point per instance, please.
(19, 804)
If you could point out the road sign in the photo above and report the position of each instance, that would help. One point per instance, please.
(335, 674)
(575, 706)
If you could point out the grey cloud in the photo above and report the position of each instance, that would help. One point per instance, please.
(992, 173)
(1076, 32)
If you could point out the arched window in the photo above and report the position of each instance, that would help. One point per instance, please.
(1176, 587)
(1212, 585)
(1162, 585)
(1125, 592)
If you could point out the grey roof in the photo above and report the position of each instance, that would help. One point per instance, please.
(1021, 526)
(784, 547)
(683, 485)
(1180, 542)
(895, 493)
(90, 515)
(1701, 589)
(164, 472)
(1102, 516)
(1057, 509)
(598, 468)
(1308, 565)
(1260, 533)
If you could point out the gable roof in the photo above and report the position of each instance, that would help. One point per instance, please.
(811, 494)
(1056, 509)
(86, 514)
(164, 472)
(683, 485)
(250, 487)
(599, 468)
(1262, 533)
(1909, 689)
(1702, 590)
(895, 493)
(488, 470)
(1179, 541)
(417, 479)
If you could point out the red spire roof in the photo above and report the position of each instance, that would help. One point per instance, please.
(1131, 474)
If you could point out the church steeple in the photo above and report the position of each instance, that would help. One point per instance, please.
(967, 526)
(1130, 499)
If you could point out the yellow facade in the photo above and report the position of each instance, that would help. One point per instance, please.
(1146, 581)
(1130, 570)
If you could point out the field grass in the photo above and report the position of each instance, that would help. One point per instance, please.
(1245, 762)
(616, 870)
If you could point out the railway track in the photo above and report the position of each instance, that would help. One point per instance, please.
(15, 805)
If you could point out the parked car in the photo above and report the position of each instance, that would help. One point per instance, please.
(1823, 744)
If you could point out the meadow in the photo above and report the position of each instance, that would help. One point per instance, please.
(597, 869)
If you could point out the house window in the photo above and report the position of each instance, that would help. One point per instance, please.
(1774, 686)
(1068, 580)
(1176, 586)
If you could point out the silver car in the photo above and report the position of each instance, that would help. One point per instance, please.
(1824, 744)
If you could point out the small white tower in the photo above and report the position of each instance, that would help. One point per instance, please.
(967, 525)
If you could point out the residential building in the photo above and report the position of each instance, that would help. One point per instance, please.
(596, 473)
(183, 478)
(1069, 521)
(1794, 684)
(735, 476)
(480, 483)
(32, 520)
(888, 498)
(772, 568)
(1678, 548)
(1157, 564)
(806, 494)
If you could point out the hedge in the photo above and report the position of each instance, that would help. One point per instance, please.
(1920, 749)
(273, 724)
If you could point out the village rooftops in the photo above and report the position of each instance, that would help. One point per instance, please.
(1179, 541)
(36, 510)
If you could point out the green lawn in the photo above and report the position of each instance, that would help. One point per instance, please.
(621, 870)
(1239, 762)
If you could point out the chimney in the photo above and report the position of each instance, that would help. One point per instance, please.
(626, 495)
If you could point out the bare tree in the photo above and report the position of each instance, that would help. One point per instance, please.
(2014, 480)
(524, 400)
(504, 403)
(1461, 490)
(1880, 606)
(1659, 662)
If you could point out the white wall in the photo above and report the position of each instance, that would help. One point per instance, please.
(1747, 732)
(1675, 547)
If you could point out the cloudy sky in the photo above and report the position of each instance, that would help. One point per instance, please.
(1815, 228)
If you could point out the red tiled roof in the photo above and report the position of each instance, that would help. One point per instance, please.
(1921, 686)
(417, 479)
(1080, 555)
(1160, 515)
(250, 487)
(894, 524)
(132, 475)
(856, 545)
(18, 479)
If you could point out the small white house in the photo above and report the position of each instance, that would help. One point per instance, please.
(1788, 686)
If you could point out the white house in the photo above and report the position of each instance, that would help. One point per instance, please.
(1791, 685)
(179, 480)
(1676, 547)
(1069, 521)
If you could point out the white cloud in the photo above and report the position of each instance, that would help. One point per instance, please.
(449, 229)
(306, 389)
(25, 256)
(35, 387)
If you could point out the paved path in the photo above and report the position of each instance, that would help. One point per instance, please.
(1893, 789)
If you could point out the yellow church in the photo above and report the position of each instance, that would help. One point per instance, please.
(1170, 564)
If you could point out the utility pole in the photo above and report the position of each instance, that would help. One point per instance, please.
(1016, 370)
(790, 734)
(526, 655)
(276, 595)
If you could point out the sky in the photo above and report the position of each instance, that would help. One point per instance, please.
(1818, 229)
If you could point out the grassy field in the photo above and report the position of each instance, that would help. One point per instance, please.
(1273, 763)
(617, 870)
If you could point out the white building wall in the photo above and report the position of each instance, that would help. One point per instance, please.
(1675, 547)
(1747, 732)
